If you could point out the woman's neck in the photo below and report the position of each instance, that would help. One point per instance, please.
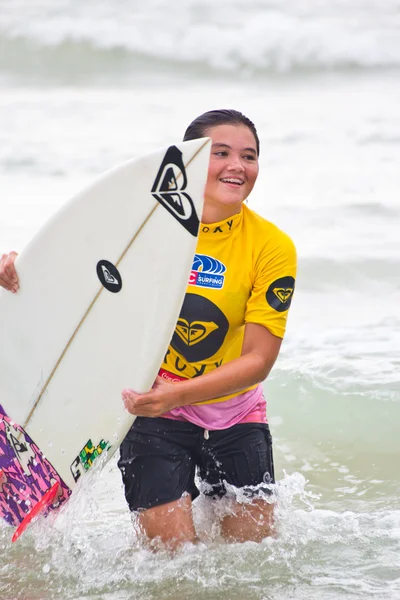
(215, 214)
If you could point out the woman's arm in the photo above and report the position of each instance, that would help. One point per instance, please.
(259, 353)
(8, 274)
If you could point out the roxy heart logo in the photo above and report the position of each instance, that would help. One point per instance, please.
(283, 294)
(169, 189)
(280, 292)
(192, 333)
(201, 329)
(109, 276)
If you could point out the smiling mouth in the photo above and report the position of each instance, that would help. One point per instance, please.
(232, 181)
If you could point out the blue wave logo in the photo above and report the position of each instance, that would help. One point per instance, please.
(207, 272)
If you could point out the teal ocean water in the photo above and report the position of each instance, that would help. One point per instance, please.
(84, 86)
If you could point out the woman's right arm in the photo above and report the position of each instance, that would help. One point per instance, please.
(8, 274)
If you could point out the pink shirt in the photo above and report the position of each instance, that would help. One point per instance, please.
(249, 407)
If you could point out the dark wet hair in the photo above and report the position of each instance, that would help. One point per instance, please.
(199, 127)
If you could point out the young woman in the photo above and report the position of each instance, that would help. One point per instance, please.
(206, 412)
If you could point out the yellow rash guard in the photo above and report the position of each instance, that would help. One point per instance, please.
(243, 272)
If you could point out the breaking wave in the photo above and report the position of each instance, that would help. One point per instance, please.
(269, 36)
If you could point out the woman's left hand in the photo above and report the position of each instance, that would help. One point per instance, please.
(160, 399)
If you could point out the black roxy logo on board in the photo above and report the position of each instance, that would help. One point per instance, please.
(109, 276)
(168, 189)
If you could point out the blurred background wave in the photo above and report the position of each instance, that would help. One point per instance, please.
(68, 39)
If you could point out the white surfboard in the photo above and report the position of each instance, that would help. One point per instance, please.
(101, 286)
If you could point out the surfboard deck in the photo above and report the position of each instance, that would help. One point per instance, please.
(101, 288)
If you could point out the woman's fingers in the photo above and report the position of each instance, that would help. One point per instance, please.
(8, 274)
(10, 267)
(150, 404)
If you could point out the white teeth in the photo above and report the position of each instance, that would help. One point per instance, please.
(232, 180)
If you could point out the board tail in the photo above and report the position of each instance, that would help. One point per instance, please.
(29, 485)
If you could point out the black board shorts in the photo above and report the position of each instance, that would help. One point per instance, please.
(159, 458)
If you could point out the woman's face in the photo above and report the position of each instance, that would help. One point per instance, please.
(232, 171)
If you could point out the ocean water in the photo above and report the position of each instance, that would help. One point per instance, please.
(84, 86)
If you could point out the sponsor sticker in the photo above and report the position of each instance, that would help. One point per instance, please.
(86, 457)
(207, 272)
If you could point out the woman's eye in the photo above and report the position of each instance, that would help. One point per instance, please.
(221, 153)
(250, 157)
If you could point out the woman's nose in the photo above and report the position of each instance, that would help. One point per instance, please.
(235, 163)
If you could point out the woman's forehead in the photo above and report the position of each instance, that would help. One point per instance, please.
(231, 134)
